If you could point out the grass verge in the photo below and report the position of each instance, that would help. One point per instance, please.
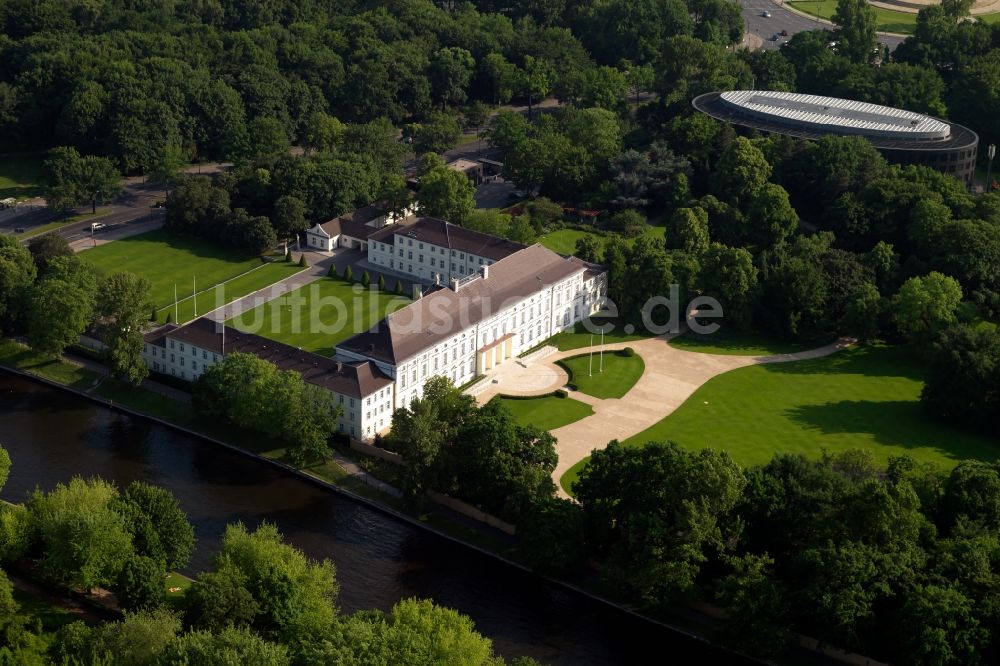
(59, 224)
(580, 337)
(226, 292)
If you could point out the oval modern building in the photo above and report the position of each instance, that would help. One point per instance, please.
(904, 137)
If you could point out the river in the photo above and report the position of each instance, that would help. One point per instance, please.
(52, 435)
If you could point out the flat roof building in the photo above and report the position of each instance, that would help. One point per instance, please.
(903, 137)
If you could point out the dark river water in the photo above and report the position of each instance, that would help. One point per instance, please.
(53, 435)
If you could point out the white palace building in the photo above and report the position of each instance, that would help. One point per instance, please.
(490, 301)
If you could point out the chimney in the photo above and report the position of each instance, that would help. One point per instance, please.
(486, 271)
(339, 366)
(437, 279)
(454, 284)
(416, 292)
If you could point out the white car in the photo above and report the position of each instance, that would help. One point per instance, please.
(766, 14)
(96, 226)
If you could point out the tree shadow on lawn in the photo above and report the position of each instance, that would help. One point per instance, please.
(906, 362)
(899, 423)
(199, 247)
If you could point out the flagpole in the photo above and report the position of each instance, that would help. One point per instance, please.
(177, 312)
(602, 352)
(194, 293)
(590, 372)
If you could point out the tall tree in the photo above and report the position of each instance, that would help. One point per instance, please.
(17, 273)
(450, 71)
(925, 305)
(444, 192)
(123, 307)
(62, 306)
(856, 27)
(83, 539)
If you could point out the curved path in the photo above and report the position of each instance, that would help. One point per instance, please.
(671, 376)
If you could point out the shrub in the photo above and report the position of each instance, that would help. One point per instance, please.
(628, 352)
(349, 274)
(170, 317)
(333, 270)
(381, 283)
(302, 261)
(399, 287)
(152, 314)
(629, 223)
(562, 393)
(366, 280)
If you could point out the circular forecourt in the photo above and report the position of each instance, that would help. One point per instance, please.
(904, 137)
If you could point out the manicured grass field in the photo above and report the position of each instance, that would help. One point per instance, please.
(866, 397)
(320, 315)
(737, 344)
(580, 337)
(886, 19)
(19, 174)
(258, 278)
(563, 241)
(167, 260)
(548, 412)
(609, 377)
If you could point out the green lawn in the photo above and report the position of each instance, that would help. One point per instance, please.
(57, 224)
(177, 586)
(167, 260)
(548, 412)
(866, 397)
(737, 344)
(581, 337)
(19, 356)
(609, 377)
(563, 241)
(19, 174)
(262, 276)
(886, 19)
(320, 315)
(145, 401)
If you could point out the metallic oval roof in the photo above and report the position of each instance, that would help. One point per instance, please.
(843, 116)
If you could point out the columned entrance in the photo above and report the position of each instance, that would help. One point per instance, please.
(494, 354)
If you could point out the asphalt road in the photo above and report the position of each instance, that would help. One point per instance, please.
(784, 19)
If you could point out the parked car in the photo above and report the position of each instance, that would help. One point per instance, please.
(783, 33)
(775, 37)
(97, 226)
(766, 14)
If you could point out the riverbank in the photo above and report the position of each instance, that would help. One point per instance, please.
(156, 407)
